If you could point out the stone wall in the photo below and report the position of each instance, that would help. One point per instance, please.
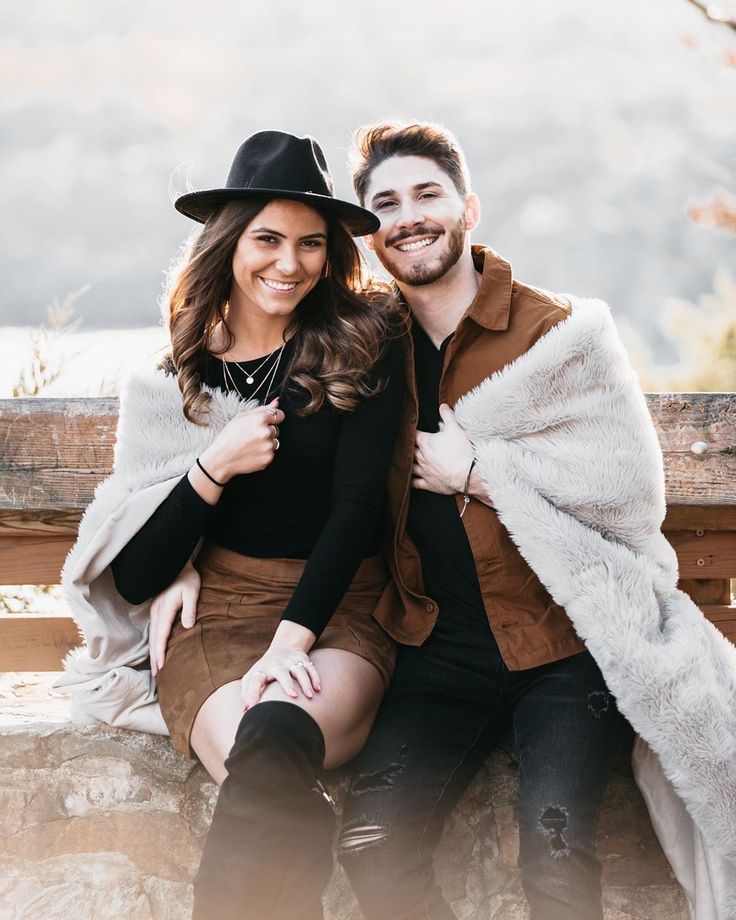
(97, 823)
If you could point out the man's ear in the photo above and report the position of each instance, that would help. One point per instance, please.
(368, 243)
(472, 211)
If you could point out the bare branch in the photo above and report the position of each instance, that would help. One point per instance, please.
(715, 13)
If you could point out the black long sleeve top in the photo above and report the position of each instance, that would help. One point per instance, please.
(433, 522)
(321, 499)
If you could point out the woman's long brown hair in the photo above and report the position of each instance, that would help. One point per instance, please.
(340, 327)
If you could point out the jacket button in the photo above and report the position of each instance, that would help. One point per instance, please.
(430, 608)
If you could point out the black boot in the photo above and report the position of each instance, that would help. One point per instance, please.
(268, 854)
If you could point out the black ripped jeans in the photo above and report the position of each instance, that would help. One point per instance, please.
(450, 702)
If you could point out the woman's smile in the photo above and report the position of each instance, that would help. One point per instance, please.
(282, 287)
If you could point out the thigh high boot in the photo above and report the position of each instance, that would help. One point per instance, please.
(268, 854)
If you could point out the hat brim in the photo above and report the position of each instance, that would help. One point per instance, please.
(201, 205)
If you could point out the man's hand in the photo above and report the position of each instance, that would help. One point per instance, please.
(442, 460)
(181, 595)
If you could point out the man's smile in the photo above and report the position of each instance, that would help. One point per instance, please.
(416, 245)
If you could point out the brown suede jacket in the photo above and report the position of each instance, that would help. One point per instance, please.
(504, 320)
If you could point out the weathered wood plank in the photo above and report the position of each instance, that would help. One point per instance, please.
(691, 517)
(54, 451)
(36, 642)
(724, 619)
(707, 591)
(32, 560)
(684, 419)
(31, 642)
(705, 553)
(17, 522)
(62, 522)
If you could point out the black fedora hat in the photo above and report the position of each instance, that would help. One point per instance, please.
(273, 164)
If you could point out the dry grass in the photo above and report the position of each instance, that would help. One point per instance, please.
(31, 599)
(47, 360)
(704, 336)
(45, 364)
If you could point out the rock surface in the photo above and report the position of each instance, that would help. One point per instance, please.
(98, 823)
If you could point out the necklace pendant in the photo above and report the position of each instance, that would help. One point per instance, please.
(249, 380)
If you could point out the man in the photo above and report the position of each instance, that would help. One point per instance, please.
(483, 646)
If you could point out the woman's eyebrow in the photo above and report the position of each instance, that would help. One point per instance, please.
(268, 230)
(307, 236)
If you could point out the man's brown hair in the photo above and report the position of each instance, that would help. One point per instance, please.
(372, 144)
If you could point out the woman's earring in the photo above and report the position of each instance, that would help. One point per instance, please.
(326, 269)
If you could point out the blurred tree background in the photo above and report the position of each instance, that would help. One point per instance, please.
(702, 333)
(599, 135)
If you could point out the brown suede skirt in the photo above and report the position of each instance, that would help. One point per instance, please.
(240, 605)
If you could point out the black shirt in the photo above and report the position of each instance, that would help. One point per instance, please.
(433, 521)
(321, 499)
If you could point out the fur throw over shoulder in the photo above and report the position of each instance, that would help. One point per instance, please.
(570, 458)
(109, 676)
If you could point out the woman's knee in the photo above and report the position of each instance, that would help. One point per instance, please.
(346, 706)
(275, 733)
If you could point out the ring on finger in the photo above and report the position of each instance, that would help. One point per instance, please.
(276, 443)
(274, 430)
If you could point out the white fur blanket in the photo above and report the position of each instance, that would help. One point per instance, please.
(155, 446)
(569, 455)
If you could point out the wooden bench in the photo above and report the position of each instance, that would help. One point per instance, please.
(53, 452)
(114, 796)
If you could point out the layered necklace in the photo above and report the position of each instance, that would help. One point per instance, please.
(251, 377)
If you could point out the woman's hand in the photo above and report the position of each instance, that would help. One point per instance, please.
(247, 444)
(287, 662)
(181, 595)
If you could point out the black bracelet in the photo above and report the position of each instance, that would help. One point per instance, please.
(466, 494)
(211, 479)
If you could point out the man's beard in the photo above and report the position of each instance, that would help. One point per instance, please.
(421, 273)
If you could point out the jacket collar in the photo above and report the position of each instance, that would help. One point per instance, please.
(491, 305)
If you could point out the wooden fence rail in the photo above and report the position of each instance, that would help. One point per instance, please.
(53, 452)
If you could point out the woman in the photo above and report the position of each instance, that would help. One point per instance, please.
(288, 497)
